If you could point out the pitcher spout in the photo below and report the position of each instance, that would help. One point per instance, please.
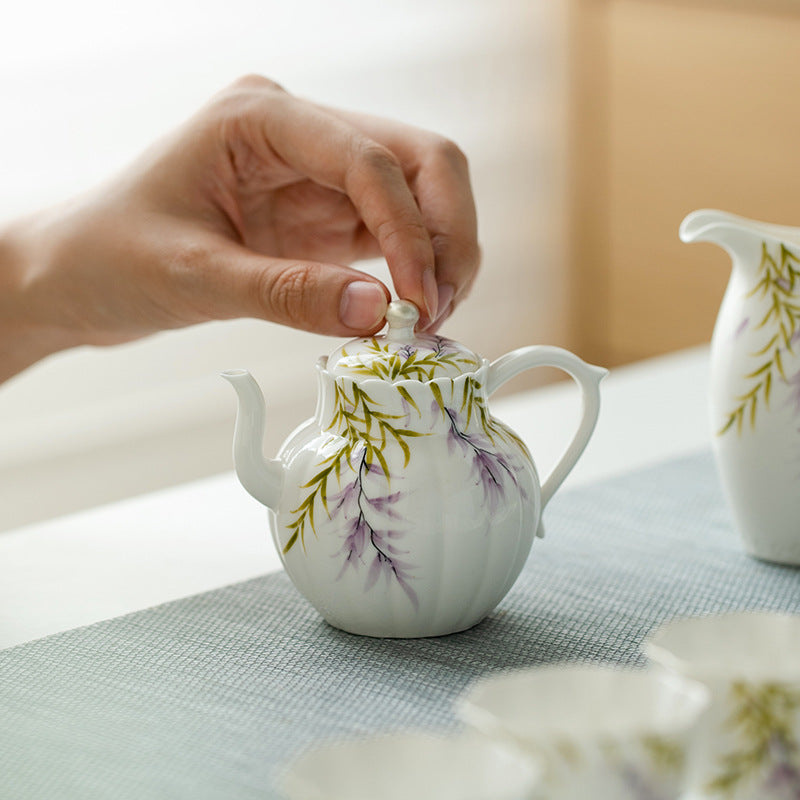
(730, 232)
(740, 237)
(263, 478)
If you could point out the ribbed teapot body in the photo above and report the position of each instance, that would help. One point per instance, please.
(408, 510)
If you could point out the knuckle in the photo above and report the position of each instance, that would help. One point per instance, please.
(232, 111)
(242, 93)
(447, 151)
(285, 295)
(255, 81)
(442, 244)
(376, 158)
(391, 229)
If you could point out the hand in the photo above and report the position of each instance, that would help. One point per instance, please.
(252, 209)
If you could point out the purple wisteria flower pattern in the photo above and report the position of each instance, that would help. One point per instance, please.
(491, 468)
(368, 542)
(355, 488)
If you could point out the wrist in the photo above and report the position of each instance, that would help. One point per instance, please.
(27, 330)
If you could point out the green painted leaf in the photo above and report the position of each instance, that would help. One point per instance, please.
(760, 371)
(406, 395)
(384, 465)
(779, 364)
(368, 454)
(761, 722)
(784, 314)
(465, 394)
(288, 546)
(767, 346)
(437, 394)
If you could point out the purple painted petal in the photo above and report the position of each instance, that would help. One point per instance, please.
(350, 560)
(407, 351)
(741, 328)
(410, 593)
(375, 468)
(346, 497)
(374, 573)
(383, 503)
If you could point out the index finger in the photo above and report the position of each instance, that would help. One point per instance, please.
(438, 172)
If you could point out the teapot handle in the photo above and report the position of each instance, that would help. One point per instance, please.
(587, 377)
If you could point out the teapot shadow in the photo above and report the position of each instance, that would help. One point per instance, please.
(506, 639)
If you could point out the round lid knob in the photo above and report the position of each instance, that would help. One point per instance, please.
(401, 317)
(401, 354)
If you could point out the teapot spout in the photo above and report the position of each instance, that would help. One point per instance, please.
(263, 478)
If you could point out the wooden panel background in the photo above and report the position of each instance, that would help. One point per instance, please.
(674, 106)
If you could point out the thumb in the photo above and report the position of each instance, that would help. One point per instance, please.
(322, 298)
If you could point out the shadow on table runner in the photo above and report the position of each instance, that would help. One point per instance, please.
(207, 697)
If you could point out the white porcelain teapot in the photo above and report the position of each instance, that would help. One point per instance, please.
(403, 508)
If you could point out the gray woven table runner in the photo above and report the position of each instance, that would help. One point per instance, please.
(209, 696)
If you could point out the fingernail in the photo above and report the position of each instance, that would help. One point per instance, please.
(363, 305)
(446, 293)
(430, 293)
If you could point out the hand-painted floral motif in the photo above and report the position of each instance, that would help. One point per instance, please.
(365, 428)
(365, 542)
(355, 485)
(491, 466)
(764, 722)
(428, 358)
(779, 284)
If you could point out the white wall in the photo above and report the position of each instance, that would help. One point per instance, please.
(88, 84)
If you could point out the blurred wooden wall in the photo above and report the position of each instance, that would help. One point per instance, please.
(673, 106)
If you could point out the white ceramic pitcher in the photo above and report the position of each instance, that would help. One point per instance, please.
(755, 379)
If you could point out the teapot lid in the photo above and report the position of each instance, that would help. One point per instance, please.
(401, 354)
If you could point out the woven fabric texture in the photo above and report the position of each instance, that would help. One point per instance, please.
(209, 696)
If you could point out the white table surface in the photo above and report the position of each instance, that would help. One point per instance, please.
(130, 555)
